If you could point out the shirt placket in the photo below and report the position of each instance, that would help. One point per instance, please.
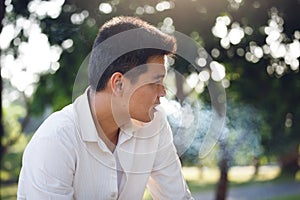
(112, 170)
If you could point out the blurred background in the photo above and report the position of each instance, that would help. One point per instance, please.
(251, 48)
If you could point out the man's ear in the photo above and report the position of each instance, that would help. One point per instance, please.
(116, 83)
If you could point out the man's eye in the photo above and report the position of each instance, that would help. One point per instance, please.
(154, 85)
(157, 84)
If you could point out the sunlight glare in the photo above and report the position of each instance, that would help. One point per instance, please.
(225, 42)
(258, 52)
(36, 56)
(105, 8)
(68, 43)
(236, 34)
(225, 83)
(6, 36)
(167, 26)
(218, 71)
(215, 52)
(23, 23)
(46, 8)
(200, 87)
(294, 65)
(149, 9)
(78, 18)
(192, 79)
(139, 10)
(204, 75)
(279, 69)
(164, 5)
(277, 50)
(297, 35)
(201, 62)
(294, 49)
(220, 29)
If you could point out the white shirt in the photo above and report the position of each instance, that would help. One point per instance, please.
(66, 159)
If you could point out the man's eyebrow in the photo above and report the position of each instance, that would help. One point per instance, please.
(159, 76)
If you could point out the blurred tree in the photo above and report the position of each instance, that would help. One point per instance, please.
(2, 11)
(260, 71)
(265, 70)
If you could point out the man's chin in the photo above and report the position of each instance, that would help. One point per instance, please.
(141, 121)
(146, 119)
(151, 113)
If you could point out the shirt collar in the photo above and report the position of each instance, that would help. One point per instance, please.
(128, 130)
(86, 123)
(88, 130)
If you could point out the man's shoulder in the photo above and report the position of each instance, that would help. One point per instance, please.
(56, 134)
(58, 124)
(62, 117)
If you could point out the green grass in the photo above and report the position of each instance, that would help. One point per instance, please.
(8, 192)
(10, 168)
(292, 197)
(205, 179)
(199, 180)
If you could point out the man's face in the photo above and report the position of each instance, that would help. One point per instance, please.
(144, 94)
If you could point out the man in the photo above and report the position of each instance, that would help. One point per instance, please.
(114, 140)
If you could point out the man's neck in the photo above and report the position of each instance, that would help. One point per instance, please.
(107, 128)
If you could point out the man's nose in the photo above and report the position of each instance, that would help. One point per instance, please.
(162, 91)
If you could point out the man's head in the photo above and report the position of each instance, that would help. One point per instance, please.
(128, 60)
(122, 44)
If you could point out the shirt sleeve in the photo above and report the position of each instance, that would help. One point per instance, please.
(166, 180)
(47, 171)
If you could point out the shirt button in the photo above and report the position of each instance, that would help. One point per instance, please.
(114, 195)
(113, 165)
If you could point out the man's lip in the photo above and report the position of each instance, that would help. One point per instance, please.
(154, 107)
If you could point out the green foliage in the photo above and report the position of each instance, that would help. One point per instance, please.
(10, 168)
(11, 162)
(8, 192)
(12, 116)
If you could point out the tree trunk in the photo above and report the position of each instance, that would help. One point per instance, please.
(223, 182)
(2, 149)
(222, 185)
(290, 162)
(256, 163)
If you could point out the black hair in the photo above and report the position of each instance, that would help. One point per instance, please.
(141, 41)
